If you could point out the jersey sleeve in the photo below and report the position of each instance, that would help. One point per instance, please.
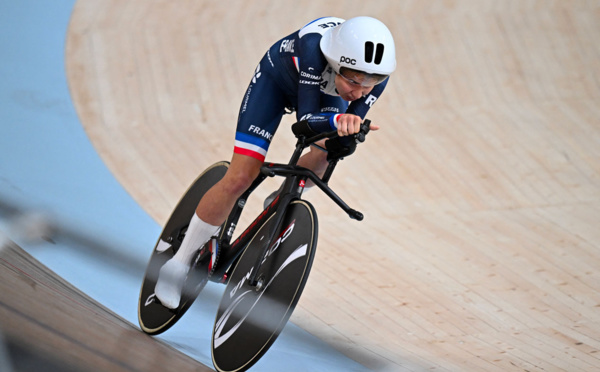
(361, 106)
(311, 64)
(325, 122)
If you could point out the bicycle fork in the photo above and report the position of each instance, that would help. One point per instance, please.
(292, 189)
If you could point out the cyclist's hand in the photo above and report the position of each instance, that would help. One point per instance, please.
(350, 124)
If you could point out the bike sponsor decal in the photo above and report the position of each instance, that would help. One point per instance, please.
(256, 221)
(280, 239)
(231, 230)
(301, 185)
(222, 334)
(150, 299)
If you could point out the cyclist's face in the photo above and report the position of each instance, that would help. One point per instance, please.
(350, 89)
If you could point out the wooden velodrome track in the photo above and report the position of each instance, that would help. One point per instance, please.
(480, 250)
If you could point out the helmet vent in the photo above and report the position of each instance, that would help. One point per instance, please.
(369, 51)
(379, 54)
(372, 52)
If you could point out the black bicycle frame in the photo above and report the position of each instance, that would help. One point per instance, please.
(295, 179)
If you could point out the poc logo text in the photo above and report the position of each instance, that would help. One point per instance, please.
(350, 61)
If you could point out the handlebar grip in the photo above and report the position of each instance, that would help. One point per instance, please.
(365, 127)
(356, 215)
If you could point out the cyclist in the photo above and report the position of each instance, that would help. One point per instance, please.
(330, 72)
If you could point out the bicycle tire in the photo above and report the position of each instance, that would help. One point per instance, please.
(249, 321)
(152, 316)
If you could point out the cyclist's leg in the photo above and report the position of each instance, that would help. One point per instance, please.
(263, 104)
(211, 212)
(315, 160)
(215, 206)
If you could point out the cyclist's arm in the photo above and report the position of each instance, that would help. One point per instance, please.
(348, 123)
(311, 65)
(356, 112)
(362, 105)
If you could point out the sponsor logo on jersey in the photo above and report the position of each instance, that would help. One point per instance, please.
(329, 24)
(313, 79)
(287, 46)
(370, 100)
(261, 132)
(330, 109)
(257, 74)
(270, 60)
(309, 76)
(247, 97)
(309, 82)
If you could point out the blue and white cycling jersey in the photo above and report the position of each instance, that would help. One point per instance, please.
(294, 75)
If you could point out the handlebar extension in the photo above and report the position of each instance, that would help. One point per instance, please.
(302, 129)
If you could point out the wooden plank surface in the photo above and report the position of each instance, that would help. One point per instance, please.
(480, 247)
(52, 326)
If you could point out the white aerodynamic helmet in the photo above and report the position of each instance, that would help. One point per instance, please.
(363, 44)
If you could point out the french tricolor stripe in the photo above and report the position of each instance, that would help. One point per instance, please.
(252, 154)
(333, 121)
(251, 146)
(296, 63)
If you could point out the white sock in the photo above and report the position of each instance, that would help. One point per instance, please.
(173, 273)
(197, 235)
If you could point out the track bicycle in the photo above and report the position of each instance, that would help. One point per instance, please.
(264, 269)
